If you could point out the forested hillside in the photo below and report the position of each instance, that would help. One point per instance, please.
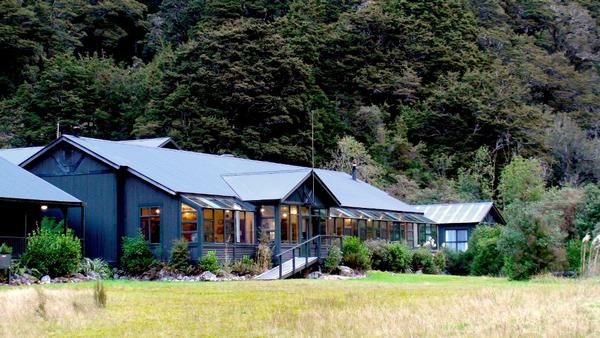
(432, 98)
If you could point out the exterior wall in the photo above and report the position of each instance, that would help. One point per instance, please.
(138, 194)
(96, 185)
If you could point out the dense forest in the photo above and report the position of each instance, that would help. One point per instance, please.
(432, 98)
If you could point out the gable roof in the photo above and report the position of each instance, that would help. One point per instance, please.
(19, 184)
(274, 185)
(358, 194)
(185, 172)
(18, 155)
(457, 213)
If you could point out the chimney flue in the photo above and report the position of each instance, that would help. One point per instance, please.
(354, 171)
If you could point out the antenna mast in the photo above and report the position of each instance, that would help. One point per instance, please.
(312, 146)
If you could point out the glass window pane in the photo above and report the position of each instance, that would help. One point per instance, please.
(155, 230)
(294, 223)
(450, 235)
(208, 213)
(219, 226)
(461, 235)
(209, 235)
(461, 246)
(186, 227)
(267, 211)
(339, 226)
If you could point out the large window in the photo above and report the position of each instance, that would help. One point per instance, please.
(150, 224)
(290, 223)
(189, 223)
(456, 239)
(245, 228)
(426, 232)
(267, 220)
(228, 226)
(409, 233)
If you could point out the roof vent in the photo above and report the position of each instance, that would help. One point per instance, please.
(227, 155)
(354, 171)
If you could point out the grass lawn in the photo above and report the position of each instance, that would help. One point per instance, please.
(381, 305)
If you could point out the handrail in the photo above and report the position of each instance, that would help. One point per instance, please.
(306, 245)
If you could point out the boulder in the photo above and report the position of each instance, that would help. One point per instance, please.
(208, 276)
(315, 275)
(345, 271)
(45, 280)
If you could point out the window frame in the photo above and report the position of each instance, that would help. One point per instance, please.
(141, 217)
(453, 245)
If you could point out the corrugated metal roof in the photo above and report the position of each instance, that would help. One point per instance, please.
(177, 170)
(456, 213)
(19, 184)
(18, 155)
(358, 194)
(197, 173)
(149, 142)
(267, 185)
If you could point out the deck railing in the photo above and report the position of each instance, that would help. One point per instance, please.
(18, 244)
(305, 250)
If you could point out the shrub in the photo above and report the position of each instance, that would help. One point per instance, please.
(52, 252)
(531, 242)
(333, 259)
(243, 266)
(423, 260)
(574, 254)
(180, 256)
(210, 262)
(439, 259)
(483, 248)
(97, 266)
(378, 250)
(5, 249)
(356, 254)
(457, 262)
(136, 257)
(397, 257)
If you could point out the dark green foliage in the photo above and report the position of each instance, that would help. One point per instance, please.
(180, 256)
(136, 257)
(52, 251)
(440, 259)
(483, 249)
(96, 266)
(5, 249)
(411, 81)
(531, 242)
(422, 259)
(378, 250)
(588, 216)
(356, 255)
(458, 262)
(398, 258)
(333, 259)
(210, 262)
(243, 266)
(573, 249)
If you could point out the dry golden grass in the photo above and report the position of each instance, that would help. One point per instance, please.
(24, 311)
(381, 305)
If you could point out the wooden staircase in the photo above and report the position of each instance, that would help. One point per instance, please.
(288, 268)
(303, 256)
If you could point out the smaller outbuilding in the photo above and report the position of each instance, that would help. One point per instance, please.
(25, 199)
(456, 221)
